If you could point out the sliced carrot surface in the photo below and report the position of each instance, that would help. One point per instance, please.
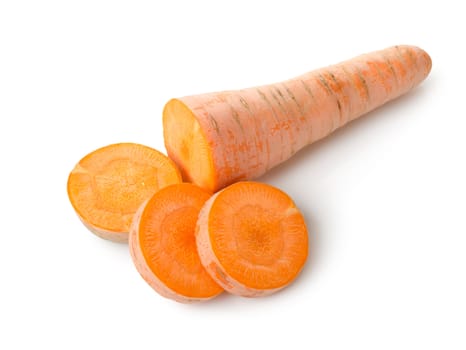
(163, 247)
(108, 185)
(252, 239)
(187, 145)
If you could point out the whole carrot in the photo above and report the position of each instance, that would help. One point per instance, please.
(219, 138)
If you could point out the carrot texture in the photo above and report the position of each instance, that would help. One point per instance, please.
(108, 185)
(251, 239)
(163, 247)
(220, 138)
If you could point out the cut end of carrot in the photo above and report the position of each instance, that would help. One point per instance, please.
(108, 185)
(187, 145)
(252, 239)
(163, 247)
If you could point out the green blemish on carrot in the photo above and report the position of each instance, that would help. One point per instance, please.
(264, 97)
(307, 88)
(244, 103)
(300, 109)
(214, 123)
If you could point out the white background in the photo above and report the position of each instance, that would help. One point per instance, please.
(384, 198)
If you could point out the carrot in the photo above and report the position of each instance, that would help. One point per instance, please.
(163, 247)
(108, 185)
(251, 239)
(220, 138)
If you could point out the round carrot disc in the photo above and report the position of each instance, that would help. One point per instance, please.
(108, 185)
(163, 246)
(251, 239)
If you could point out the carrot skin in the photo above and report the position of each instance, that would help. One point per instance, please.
(252, 130)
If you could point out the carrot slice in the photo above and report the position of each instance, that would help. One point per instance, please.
(252, 239)
(163, 247)
(108, 185)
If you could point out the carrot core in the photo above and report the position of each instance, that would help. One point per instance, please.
(259, 236)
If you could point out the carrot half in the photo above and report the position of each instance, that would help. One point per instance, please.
(108, 185)
(220, 138)
(251, 239)
(163, 247)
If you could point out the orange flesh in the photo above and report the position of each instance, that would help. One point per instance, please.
(187, 145)
(167, 242)
(108, 185)
(257, 235)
